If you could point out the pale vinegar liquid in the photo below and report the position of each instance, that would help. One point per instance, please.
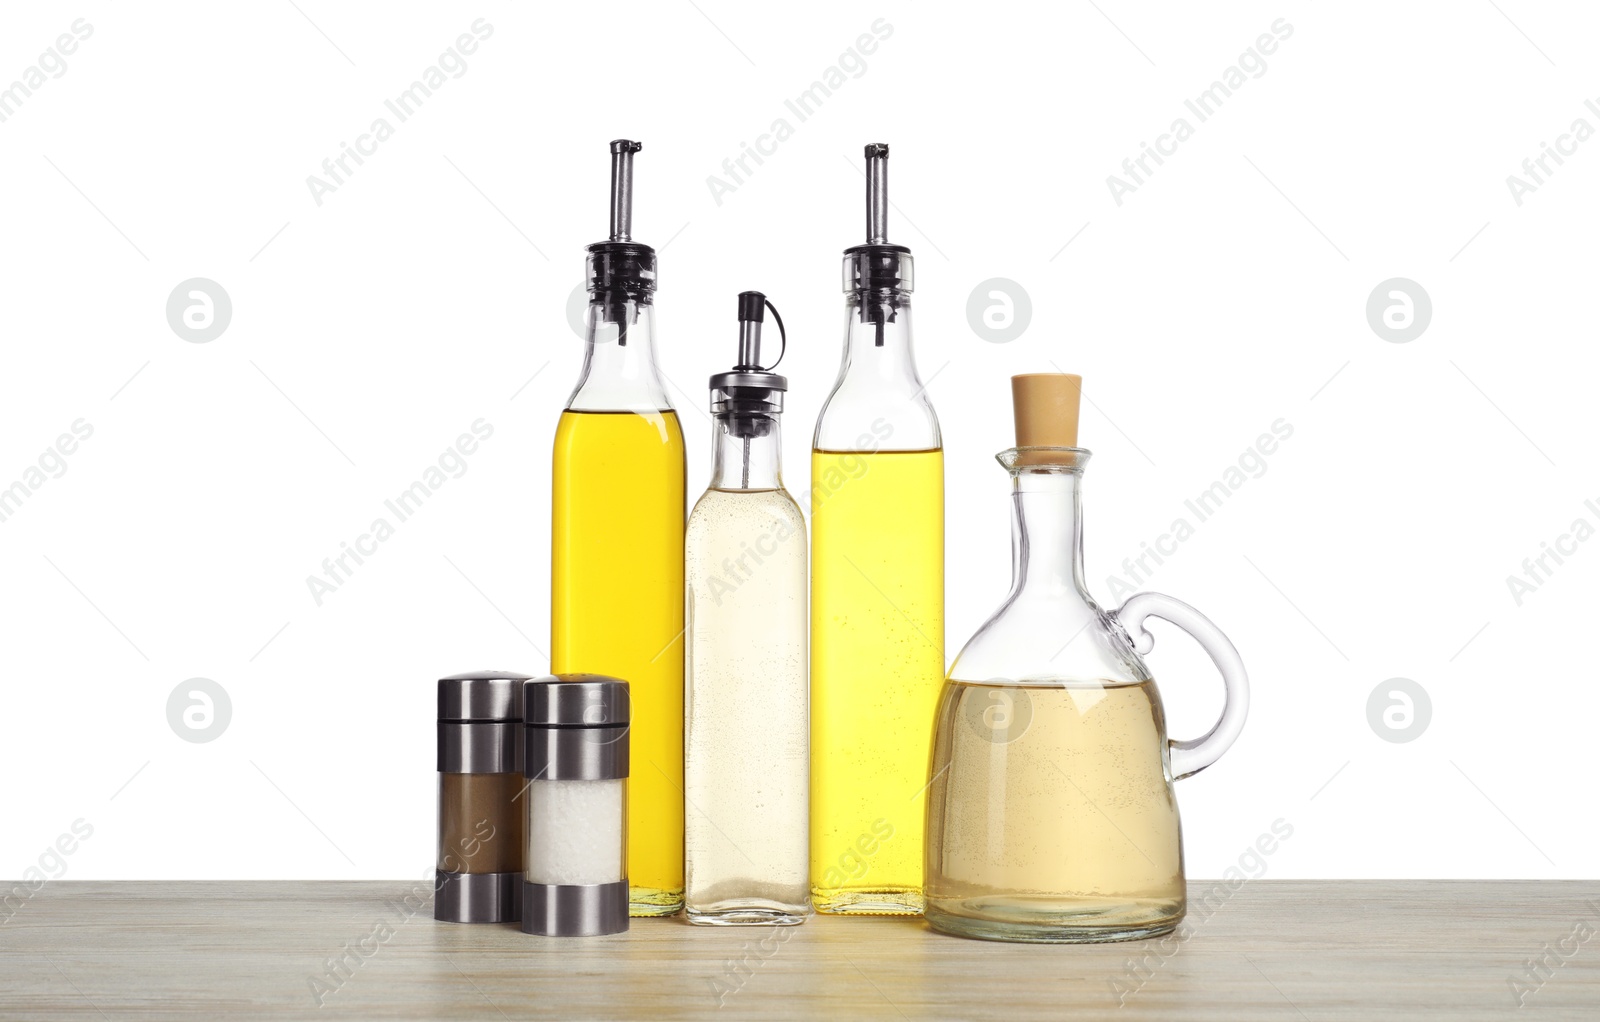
(1050, 816)
(877, 662)
(616, 608)
(746, 710)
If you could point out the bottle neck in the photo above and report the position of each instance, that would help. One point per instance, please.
(619, 358)
(878, 402)
(1046, 534)
(753, 462)
(877, 339)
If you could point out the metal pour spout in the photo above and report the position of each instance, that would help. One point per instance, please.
(877, 272)
(877, 193)
(748, 400)
(622, 151)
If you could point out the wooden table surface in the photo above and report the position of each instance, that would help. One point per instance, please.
(1275, 949)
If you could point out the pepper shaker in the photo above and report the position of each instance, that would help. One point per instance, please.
(482, 836)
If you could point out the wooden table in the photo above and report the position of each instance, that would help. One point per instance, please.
(1274, 949)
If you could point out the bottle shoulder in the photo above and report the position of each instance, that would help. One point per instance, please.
(1048, 641)
(719, 507)
(620, 433)
(852, 421)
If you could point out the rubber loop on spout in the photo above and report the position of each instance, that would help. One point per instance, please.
(783, 336)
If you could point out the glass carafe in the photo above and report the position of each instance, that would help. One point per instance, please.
(1051, 815)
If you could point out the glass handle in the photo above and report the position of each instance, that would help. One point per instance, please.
(1195, 755)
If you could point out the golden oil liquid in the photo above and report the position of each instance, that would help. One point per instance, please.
(877, 662)
(616, 607)
(1050, 817)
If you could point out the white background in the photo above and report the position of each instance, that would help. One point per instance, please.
(427, 291)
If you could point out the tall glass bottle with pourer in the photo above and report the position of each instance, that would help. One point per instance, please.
(616, 601)
(877, 598)
(745, 737)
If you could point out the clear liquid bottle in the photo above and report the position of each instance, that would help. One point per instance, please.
(616, 600)
(1051, 815)
(745, 714)
(877, 598)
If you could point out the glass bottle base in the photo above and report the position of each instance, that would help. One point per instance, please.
(1054, 922)
(753, 915)
(902, 901)
(649, 902)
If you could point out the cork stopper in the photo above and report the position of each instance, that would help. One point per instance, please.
(1046, 409)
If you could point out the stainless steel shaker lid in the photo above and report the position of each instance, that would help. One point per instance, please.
(482, 696)
(576, 701)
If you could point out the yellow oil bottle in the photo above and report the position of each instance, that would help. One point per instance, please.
(617, 528)
(877, 596)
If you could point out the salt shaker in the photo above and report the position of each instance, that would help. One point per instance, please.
(575, 762)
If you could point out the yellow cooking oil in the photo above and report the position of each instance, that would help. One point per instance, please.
(877, 664)
(616, 608)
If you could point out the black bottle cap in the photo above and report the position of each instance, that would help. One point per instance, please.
(621, 266)
(752, 306)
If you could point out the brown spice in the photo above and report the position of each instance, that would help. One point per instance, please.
(482, 823)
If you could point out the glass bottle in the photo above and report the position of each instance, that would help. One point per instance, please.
(745, 719)
(877, 598)
(1051, 815)
(616, 603)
